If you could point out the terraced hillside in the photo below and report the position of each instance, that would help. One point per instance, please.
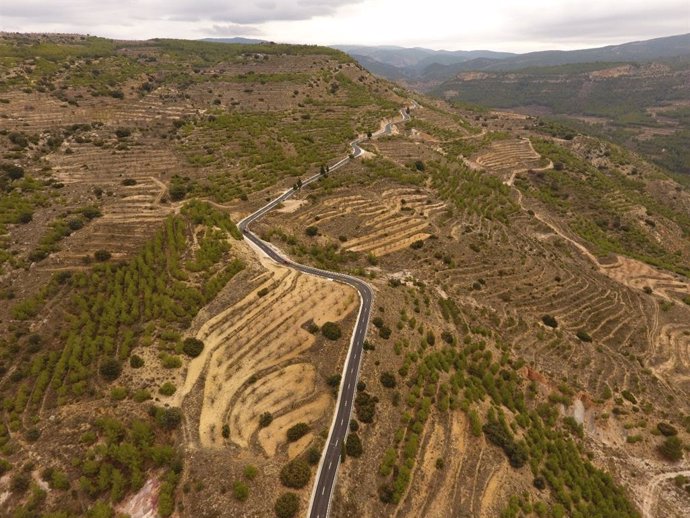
(390, 222)
(506, 156)
(110, 265)
(527, 351)
(258, 370)
(593, 340)
(133, 200)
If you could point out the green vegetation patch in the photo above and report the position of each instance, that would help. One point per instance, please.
(116, 304)
(124, 454)
(528, 433)
(594, 202)
(472, 191)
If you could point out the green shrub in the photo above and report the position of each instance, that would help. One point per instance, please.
(629, 396)
(141, 395)
(101, 255)
(387, 379)
(20, 482)
(59, 480)
(166, 495)
(192, 347)
(311, 231)
(250, 472)
(265, 419)
(671, 449)
(240, 491)
(550, 321)
(385, 332)
(584, 336)
(475, 423)
(295, 474)
(118, 393)
(353, 445)
(110, 369)
(667, 429)
(170, 361)
(575, 427)
(331, 330)
(297, 431)
(136, 361)
(91, 212)
(286, 505)
(167, 389)
(313, 456)
(168, 418)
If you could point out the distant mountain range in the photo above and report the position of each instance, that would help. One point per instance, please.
(241, 41)
(425, 68)
(413, 61)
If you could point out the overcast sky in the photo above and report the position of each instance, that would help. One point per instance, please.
(510, 25)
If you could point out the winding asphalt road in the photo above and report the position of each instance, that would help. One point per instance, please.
(330, 459)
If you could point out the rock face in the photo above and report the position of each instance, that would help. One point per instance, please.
(144, 503)
(579, 411)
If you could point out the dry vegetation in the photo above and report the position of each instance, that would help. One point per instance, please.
(528, 351)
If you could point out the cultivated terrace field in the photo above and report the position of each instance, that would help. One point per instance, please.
(528, 353)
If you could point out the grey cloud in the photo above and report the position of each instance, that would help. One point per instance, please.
(228, 30)
(258, 12)
(80, 12)
(670, 17)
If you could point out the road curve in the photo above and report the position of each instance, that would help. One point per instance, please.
(330, 458)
